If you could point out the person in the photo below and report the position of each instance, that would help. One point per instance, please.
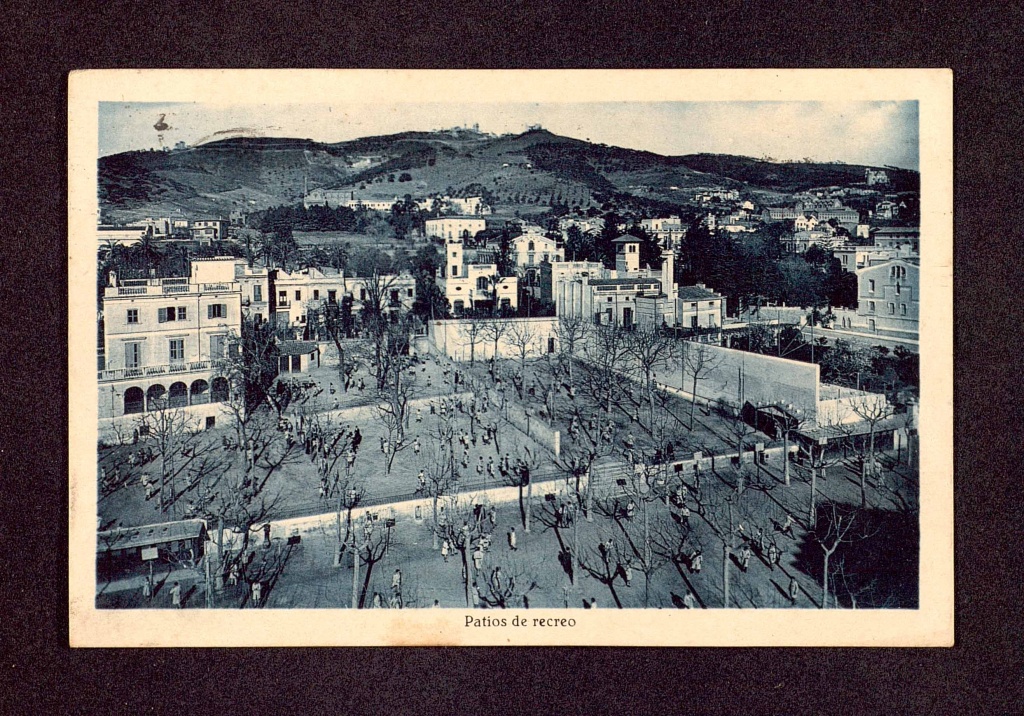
(393, 602)
(773, 555)
(627, 572)
(396, 581)
(744, 558)
(492, 515)
(787, 528)
(422, 480)
(419, 415)
(512, 539)
(475, 594)
(629, 441)
(436, 604)
(695, 562)
(630, 510)
(233, 574)
(257, 593)
(689, 600)
(478, 558)
(685, 515)
(490, 465)
(383, 445)
(176, 595)
(357, 438)
(480, 465)
(416, 445)
(794, 590)
(760, 541)
(593, 603)
(444, 550)
(377, 603)
(147, 587)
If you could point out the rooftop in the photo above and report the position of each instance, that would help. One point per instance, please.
(622, 281)
(899, 230)
(696, 293)
(626, 239)
(296, 348)
(133, 537)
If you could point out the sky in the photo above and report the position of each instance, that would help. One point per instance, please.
(872, 133)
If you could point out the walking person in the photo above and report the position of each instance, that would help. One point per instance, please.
(257, 594)
(794, 590)
(176, 595)
(492, 515)
(512, 539)
(695, 562)
(689, 600)
(444, 550)
(744, 558)
(478, 558)
(416, 445)
(787, 528)
(773, 556)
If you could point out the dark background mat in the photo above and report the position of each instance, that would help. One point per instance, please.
(42, 42)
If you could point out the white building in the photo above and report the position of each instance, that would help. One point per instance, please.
(468, 205)
(454, 227)
(888, 298)
(292, 295)
(474, 286)
(530, 251)
(162, 338)
(670, 232)
(700, 307)
(551, 274)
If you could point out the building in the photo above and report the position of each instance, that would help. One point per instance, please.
(297, 356)
(907, 238)
(254, 282)
(799, 241)
(668, 231)
(700, 308)
(293, 295)
(805, 222)
(873, 177)
(163, 338)
(468, 206)
(206, 231)
(587, 225)
(474, 286)
(454, 227)
(609, 301)
(888, 296)
(123, 235)
(530, 251)
(887, 210)
(346, 197)
(551, 274)
(627, 253)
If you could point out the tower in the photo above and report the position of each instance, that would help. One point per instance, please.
(627, 253)
(453, 258)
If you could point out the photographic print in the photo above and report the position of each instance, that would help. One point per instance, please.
(574, 357)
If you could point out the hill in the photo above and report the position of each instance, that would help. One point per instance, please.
(793, 176)
(524, 172)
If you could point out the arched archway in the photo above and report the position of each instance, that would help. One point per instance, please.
(220, 391)
(178, 396)
(200, 392)
(134, 401)
(156, 397)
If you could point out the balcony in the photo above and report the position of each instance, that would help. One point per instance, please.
(149, 371)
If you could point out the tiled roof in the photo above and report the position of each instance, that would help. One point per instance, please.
(626, 239)
(296, 348)
(695, 293)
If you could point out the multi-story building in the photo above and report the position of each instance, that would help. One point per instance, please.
(875, 176)
(887, 210)
(898, 237)
(699, 307)
(206, 231)
(888, 296)
(474, 286)
(454, 227)
(551, 274)
(163, 338)
(254, 282)
(294, 294)
(529, 252)
(668, 231)
(857, 257)
(468, 205)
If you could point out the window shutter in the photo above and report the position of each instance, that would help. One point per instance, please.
(209, 311)
(162, 315)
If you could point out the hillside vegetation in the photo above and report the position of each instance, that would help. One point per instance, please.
(515, 172)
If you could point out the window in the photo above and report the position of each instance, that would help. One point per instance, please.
(257, 294)
(298, 295)
(455, 270)
(409, 293)
(182, 313)
(132, 355)
(332, 296)
(897, 288)
(282, 296)
(871, 306)
(177, 352)
(394, 297)
(166, 314)
(217, 310)
(871, 285)
(296, 364)
(217, 344)
(530, 258)
(481, 283)
(362, 294)
(892, 309)
(903, 309)
(133, 315)
(316, 295)
(530, 247)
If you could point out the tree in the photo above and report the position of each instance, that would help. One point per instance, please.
(842, 363)
(520, 475)
(472, 331)
(830, 529)
(251, 363)
(699, 360)
(465, 524)
(506, 585)
(649, 349)
(873, 410)
(606, 351)
(522, 337)
(571, 333)
(494, 330)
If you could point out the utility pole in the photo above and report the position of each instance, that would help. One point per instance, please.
(355, 572)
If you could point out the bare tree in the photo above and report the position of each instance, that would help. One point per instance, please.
(649, 349)
(472, 331)
(505, 585)
(830, 530)
(465, 524)
(571, 333)
(872, 410)
(520, 474)
(521, 336)
(699, 360)
(606, 352)
(493, 330)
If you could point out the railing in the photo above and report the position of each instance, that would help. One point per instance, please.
(153, 370)
(216, 287)
(132, 290)
(176, 289)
